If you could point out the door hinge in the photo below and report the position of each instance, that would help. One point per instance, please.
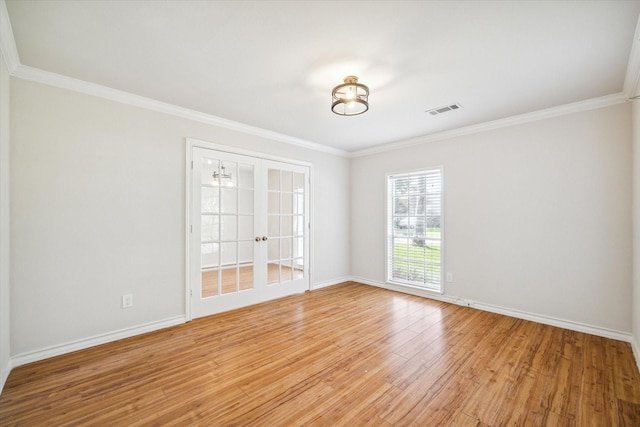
(191, 164)
(190, 292)
(191, 228)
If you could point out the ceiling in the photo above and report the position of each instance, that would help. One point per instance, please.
(272, 64)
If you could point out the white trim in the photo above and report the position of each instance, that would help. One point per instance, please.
(7, 42)
(193, 142)
(76, 85)
(632, 77)
(187, 230)
(87, 88)
(4, 374)
(311, 229)
(327, 283)
(554, 321)
(519, 314)
(636, 351)
(16, 69)
(589, 104)
(57, 350)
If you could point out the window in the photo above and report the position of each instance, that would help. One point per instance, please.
(414, 229)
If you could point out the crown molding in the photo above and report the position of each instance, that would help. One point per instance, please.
(589, 104)
(632, 77)
(16, 69)
(87, 88)
(7, 42)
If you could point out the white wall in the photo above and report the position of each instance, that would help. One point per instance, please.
(636, 227)
(537, 215)
(4, 224)
(97, 205)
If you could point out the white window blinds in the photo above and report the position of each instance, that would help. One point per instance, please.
(414, 228)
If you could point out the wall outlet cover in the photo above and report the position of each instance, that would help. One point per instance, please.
(127, 301)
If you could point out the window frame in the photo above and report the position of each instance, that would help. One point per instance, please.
(389, 229)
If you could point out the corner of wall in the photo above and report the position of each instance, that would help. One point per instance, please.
(635, 309)
(636, 351)
(5, 338)
(4, 374)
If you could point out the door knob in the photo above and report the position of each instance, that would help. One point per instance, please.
(258, 238)
(264, 238)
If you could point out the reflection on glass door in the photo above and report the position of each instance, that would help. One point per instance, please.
(226, 226)
(286, 225)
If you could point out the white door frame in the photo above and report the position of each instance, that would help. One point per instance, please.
(190, 144)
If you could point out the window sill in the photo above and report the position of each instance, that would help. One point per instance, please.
(416, 288)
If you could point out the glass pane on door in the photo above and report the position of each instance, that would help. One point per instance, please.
(285, 225)
(226, 227)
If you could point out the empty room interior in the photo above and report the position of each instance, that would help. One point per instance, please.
(280, 213)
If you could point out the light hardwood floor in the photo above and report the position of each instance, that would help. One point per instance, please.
(349, 354)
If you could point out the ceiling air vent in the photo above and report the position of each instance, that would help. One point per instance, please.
(446, 108)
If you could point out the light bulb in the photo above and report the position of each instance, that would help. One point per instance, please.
(350, 93)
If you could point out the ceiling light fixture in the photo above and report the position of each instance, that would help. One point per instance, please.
(350, 98)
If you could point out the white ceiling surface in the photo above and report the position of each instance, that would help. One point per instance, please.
(272, 64)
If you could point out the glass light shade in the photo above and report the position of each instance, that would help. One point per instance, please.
(350, 98)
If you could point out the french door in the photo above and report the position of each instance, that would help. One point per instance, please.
(249, 230)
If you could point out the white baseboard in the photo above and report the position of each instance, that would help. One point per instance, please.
(538, 318)
(554, 321)
(57, 350)
(329, 283)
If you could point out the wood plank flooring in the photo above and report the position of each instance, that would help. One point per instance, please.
(350, 355)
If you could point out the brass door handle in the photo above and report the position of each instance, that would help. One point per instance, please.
(258, 238)
(264, 238)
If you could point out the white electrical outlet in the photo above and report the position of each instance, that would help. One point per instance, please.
(449, 277)
(127, 301)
